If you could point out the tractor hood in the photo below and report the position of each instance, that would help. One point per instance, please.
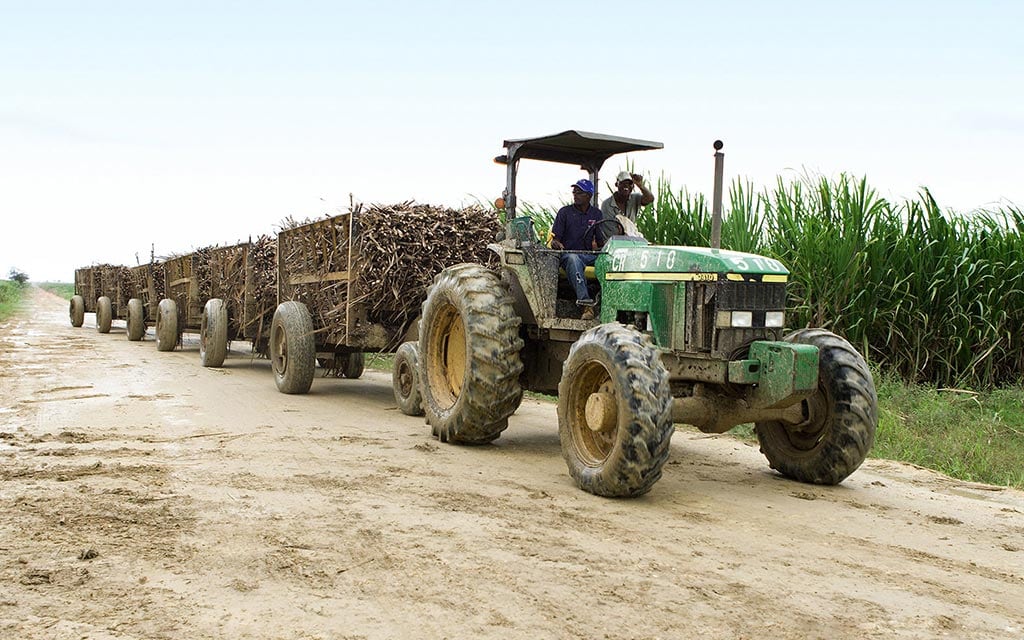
(636, 260)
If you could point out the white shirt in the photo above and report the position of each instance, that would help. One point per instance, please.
(610, 208)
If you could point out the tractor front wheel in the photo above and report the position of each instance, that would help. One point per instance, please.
(840, 418)
(614, 412)
(469, 355)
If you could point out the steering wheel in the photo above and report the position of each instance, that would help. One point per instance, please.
(589, 233)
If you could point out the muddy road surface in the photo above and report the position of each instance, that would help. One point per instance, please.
(142, 496)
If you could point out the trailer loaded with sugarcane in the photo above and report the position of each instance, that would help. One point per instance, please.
(143, 286)
(686, 335)
(181, 305)
(241, 296)
(98, 289)
(353, 283)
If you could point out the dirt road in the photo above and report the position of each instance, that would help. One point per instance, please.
(142, 496)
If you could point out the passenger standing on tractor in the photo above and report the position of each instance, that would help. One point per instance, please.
(570, 231)
(623, 202)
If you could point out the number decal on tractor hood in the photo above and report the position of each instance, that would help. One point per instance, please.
(696, 263)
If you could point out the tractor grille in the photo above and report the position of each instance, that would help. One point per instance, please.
(704, 300)
(751, 296)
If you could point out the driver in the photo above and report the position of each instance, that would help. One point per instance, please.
(569, 231)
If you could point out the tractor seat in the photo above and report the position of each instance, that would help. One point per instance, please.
(588, 271)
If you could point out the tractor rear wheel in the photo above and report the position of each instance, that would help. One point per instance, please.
(166, 325)
(352, 364)
(405, 379)
(77, 311)
(614, 412)
(841, 417)
(213, 333)
(136, 320)
(104, 314)
(292, 348)
(469, 355)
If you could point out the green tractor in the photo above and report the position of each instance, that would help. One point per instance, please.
(683, 335)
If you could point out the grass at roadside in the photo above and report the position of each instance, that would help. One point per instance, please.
(63, 289)
(977, 437)
(966, 435)
(10, 297)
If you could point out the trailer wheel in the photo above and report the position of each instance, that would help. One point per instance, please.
(614, 412)
(104, 314)
(136, 320)
(841, 417)
(213, 333)
(405, 379)
(77, 311)
(469, 355)
(292, 348)
(353, 364)
(167, 325)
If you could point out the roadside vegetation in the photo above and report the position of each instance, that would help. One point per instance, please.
(63, 289)
(10, 297)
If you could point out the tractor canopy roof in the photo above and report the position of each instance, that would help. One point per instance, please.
(588, 150)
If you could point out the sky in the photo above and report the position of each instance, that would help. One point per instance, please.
(135, 127)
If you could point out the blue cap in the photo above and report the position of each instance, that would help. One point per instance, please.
(585, 185)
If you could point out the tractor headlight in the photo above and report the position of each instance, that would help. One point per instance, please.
(775, 319)
(742, 319)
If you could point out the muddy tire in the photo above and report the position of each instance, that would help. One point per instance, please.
(104, 314)
(614, 412)
(136, 320)
(405, 379)
(213, 333)
(469, 355)
(166, 325)
(292, 348)
(841, 417)
(352, 364)
(76, 311)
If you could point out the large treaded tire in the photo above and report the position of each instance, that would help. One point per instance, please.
(292, 348)
(104, 314)
(213, 333)
(76, 311)
(622, 453)
(843, 416)
(136, 320)
(352, 364)
(166, 325)
(469, 355)
(405, 379)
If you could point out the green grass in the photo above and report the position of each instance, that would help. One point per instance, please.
(10, 297)
(380, 361)
(63, 289)
(971, 436)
